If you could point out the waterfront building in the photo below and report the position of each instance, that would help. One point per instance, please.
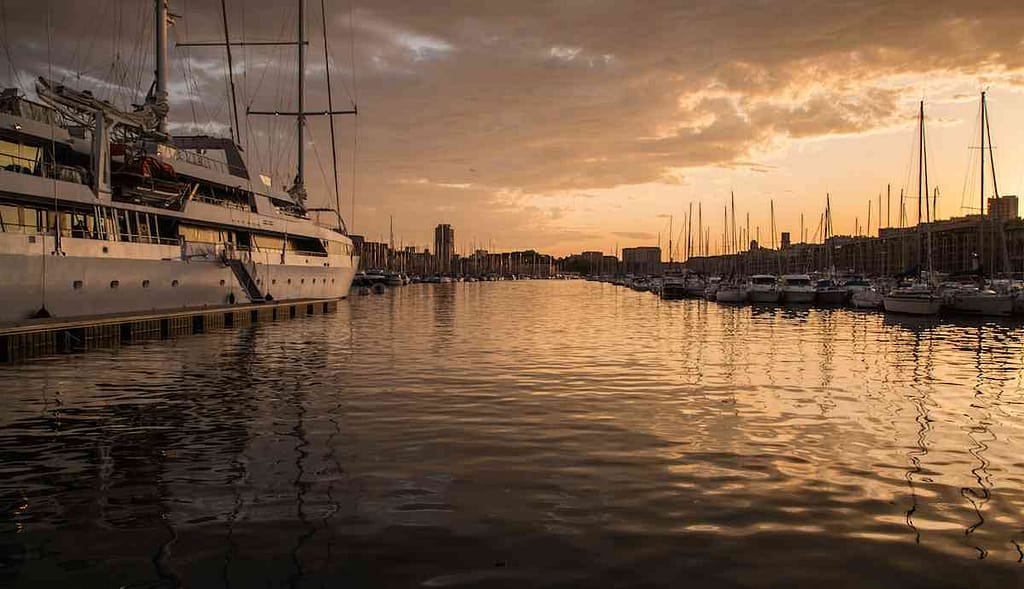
(641, 260)
(1003, 208)
(444, 247)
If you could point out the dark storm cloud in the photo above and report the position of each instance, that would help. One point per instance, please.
(467, 108)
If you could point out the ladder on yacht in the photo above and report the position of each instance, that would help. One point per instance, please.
(244, 276)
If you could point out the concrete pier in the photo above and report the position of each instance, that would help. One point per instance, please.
(44, 337)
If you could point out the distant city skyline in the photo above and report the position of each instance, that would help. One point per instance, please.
(561, 127)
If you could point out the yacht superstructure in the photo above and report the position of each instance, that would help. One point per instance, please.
(102, 211)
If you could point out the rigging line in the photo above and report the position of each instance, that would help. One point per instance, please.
(352, 51)
(79, 58)
(355, 154)
(970, 176)
(186, 72)
(319, 161)
(188, 89)
(330, 107)
(280, 158)
(231, 73)
(991, 154)
(14, 73)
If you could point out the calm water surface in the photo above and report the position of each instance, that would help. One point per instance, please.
(530, 434)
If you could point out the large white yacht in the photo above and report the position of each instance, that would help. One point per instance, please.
(102, 211)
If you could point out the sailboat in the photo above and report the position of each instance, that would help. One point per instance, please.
(978, 298)
(103, 210)
(827, 291)
(732, 290)
(918, 297)
(764, 288)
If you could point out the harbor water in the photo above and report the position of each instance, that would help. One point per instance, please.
(524, 434)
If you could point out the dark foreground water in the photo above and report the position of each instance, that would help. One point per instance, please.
(531, 434)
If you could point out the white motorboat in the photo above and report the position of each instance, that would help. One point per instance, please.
(673, 287)
(763, 288)
(695, 286)
(731, 293)
(797, 288)
(918, 298)
(828, 293)
(972, 300)
(867, 299)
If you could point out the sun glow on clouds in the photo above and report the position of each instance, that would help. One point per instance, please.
(499, 117)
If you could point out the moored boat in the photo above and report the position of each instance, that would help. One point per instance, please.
(828, 293)
(673, 287)
(102, 210)
(763, 288)
(918, 298)
(971, 300)
(797, 289)
(868, 298)
(732, 292)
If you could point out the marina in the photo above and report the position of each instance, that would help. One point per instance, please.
(329, 293)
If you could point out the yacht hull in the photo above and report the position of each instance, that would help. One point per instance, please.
(997, 305)
(830, 297)
(67, 285)
(912, 305)
(799, 297)
(866, 299)
(673, 291)
(764, 296)
(731, 295)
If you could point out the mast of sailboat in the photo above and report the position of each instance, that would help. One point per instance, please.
(669, 239)
(330, 106)
(922, 194)
(689, 235)
(236, 131)
(869, 218)
(827, 232)
(701, 249)
(159, 93)
(299, 185)
(921, 174)
(888, 205)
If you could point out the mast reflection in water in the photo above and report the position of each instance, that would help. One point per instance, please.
(526, 434)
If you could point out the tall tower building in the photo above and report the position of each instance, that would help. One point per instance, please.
(444, 246)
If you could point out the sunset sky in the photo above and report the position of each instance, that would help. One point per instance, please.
(575, 125)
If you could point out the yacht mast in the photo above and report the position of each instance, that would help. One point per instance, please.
(159, 94)
(298, 189)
